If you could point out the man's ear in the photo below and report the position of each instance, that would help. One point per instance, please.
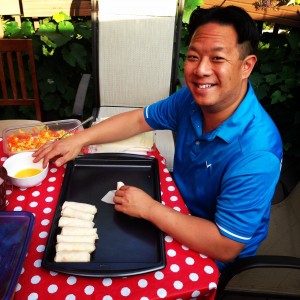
(248, 65)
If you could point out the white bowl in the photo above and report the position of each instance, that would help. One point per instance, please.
(22, 161)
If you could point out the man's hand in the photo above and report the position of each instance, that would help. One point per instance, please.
(133, 202)
(59, 152)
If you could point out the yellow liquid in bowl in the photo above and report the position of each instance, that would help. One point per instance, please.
(27, 173)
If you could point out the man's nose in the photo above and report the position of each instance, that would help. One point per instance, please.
(203, 68)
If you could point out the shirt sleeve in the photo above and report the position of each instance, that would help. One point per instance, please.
(243, 206)
(164, 113)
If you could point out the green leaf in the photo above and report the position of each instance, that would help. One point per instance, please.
(12, 29)
(84, 29)
(277, 97)
(27, 28)
(60, 17)
(271, 79)
(66, 28)
(189, 7)
(76, 54)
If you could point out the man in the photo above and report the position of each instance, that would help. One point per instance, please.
(228, 151)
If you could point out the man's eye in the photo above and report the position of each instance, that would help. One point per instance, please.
(192, 57)
(218, 58)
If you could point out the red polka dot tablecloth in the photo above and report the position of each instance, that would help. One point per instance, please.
(188, 275)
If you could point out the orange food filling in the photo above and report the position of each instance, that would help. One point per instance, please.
(23, 141)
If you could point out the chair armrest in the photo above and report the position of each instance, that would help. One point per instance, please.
(258, 261)
(80, 96)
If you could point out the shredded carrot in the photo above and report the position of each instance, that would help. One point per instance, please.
(23, 141)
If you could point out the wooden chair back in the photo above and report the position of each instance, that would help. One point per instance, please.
(18, 80)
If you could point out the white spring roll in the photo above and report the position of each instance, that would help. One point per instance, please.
(74, 213)
(72, 256)
(79, 231)
(87, 247)
(74, 222)
(119, 184)
(76, 238)
(84, 207)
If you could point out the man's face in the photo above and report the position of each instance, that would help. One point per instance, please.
(214, 71)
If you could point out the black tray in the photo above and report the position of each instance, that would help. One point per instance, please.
(126, 245)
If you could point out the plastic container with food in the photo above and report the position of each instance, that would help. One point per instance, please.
(32, 137)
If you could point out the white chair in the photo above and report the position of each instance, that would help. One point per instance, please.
(137, 51)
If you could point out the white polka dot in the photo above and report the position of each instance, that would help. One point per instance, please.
(184, 247)
(171, 252)
(178, 285)
(71, 280)
(33, 204)
(50, 189)
(169, 179)
(18, 287)
(43, 234)
(52, 288)
(195, 294)
(174, 268)
(33, 296)
(47, 210)
(144, 298)
(18, 208)
(89, 290)
(8, 192)
(45, 222)
(194, 277)
(53, 170)
(177, 208)
(208, 269)
(212, 286)
(52, 273)
(159, 275)
(35, 193)
(107, 282)
(189, 261)
(173, 198)
(71, 297)
(107, 297)
(203, 256)
(51, 179)
(168, 239)
(171, 188)
(38, 263)
(161, 293)
(49, 199)
(166, 170)
(40, 248)
(142, 283)
(35, 279)
(125, 291)
(21, 198)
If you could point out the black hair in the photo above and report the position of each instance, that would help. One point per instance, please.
(232, 15)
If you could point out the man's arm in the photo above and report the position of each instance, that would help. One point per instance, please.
(113, 129)
(198, 234)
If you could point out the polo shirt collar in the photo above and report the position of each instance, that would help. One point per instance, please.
(234, 125)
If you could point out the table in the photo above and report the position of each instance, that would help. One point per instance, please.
(188, 275)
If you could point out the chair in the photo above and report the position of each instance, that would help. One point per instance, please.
(18, 75)
(275, 270)
(136, 44)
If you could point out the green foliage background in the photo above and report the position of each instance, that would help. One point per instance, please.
(63, 49)
(63, 52)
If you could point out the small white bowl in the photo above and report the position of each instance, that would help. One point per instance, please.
(22, 161)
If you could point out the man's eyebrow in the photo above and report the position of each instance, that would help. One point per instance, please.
(215, 49)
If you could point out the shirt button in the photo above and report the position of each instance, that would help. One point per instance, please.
(197, 142)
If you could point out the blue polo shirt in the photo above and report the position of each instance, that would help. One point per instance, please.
(228, 175)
